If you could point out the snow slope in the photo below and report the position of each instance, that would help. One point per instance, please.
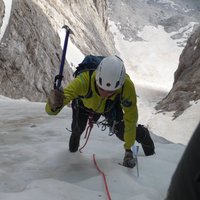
(34, 157)
(35, 161)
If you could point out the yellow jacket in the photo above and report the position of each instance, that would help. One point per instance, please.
(79, 87)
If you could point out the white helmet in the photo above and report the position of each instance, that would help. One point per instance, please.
(110, 73)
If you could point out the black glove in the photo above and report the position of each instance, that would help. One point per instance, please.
(129, 161)
(55, 99)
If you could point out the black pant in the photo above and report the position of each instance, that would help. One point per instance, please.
(80, 116)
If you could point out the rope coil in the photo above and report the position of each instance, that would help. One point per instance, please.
(87, 135)
(88, 131)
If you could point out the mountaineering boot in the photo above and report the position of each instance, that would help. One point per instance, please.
(74, 142)
(143, 137)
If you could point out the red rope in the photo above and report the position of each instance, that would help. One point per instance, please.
(87, 133)
(104, 177)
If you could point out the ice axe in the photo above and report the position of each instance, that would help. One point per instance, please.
(135, 150)
(59, 77)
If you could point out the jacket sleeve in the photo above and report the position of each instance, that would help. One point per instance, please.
(78, 87)
(129, 105)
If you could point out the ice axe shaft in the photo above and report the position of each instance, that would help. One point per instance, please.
(59, 77)
(135, 150)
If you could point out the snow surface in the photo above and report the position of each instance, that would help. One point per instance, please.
(34, 159)
(153, 61)
(35, 162)
(8, 4)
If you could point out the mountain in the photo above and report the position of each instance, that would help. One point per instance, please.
(131, 16)
(186, 86)
(30, 50)
(2, 10)
(88, 21)
(179, 18)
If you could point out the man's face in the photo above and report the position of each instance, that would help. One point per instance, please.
(104, 93)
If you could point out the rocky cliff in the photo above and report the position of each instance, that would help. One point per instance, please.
(186, 86)
(88, 21)
(30, 49)
(174, 16)
(132, 15)
(2, 10)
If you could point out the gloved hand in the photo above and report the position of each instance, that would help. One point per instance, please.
(129, 161)
(55, 99)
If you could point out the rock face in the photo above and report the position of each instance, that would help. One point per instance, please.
(30, 49)
(186, 86)
(2, 10)
(88, 21)
(176, 17)
(172, 15)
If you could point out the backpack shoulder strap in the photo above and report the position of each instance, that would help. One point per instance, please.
(89, 93)
(121, 93)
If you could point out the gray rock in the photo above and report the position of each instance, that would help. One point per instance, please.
(131, 16)
(174, 16)
(29, 52)
(186, 86)
(30, 49)
(87, 19)
(2, 11)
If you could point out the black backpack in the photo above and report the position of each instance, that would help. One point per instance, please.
(89, 63)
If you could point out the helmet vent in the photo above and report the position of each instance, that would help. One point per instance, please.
(117, 84)
(100, 81)
(108, 84)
